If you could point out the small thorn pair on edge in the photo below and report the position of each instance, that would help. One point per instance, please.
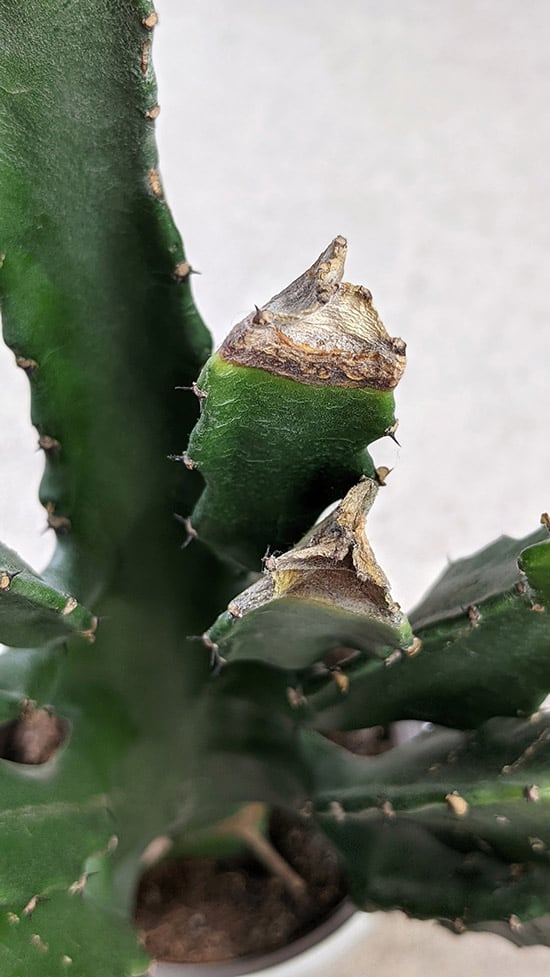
(217, 661)
(191, 533)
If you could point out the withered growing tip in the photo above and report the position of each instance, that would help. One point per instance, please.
(334, 562)
(320, 330)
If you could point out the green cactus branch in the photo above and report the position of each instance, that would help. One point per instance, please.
(290, 402)
(325, 593)
(452, 824)
(93, 274)
(34, 613)
(484, 651)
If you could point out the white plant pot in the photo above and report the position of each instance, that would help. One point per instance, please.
(318, 954)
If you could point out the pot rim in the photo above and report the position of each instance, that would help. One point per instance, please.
(329, 936)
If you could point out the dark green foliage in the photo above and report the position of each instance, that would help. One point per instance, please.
(33, 612)
(453, 824)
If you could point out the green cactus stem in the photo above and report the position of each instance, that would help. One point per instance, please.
(96, 307)
(34, 613)
(92, 276)
(485, 643)
(326, 593)
(289, 404)
(535, 563)
(451, 825)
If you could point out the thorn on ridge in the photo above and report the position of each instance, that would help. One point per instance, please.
(545, 520)
(199, 394)
(77, 888)
(38, 942)
(60, 524)
(457, 804)
(216, 660)
(261, 317)
(413, 649)
(390, 432)
(6, 577)
(296, 697)
(183, 270)
(187, 461)
(49, 445)
(154, 183)
(151, 20)
(340, 679)
(31, 905)
(382, 473)
(145, 56)
(474, 615)
(337, 811)
(26, 364)
(191, 533)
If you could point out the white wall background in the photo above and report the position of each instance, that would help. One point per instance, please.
(421, 131)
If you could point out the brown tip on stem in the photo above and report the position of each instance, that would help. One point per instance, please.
(48, 444)
(320, 331)
(145, 56)
(457, 804)
(89, 634)
(6, 577)
(60, 524)
(26, 364)
(545, 520)
(413, 649)
(296, 697)
(382, 473)
(182, 271)
(474, 615)
(154, 183)
(69, 606)
(341, 680)
(151, 20)
(334, 563)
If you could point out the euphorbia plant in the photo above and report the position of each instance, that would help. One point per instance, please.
(118, 726)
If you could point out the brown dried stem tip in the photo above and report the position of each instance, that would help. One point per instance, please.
(320, 330)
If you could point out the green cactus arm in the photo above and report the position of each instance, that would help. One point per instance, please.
(94, 284)
(468, 583)
(451, 825)
(289, 404)
(57, 829)
(325, 593)
(485, 639)
(34, 613)
(54, 939)
(535, 563)
(97, 309)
